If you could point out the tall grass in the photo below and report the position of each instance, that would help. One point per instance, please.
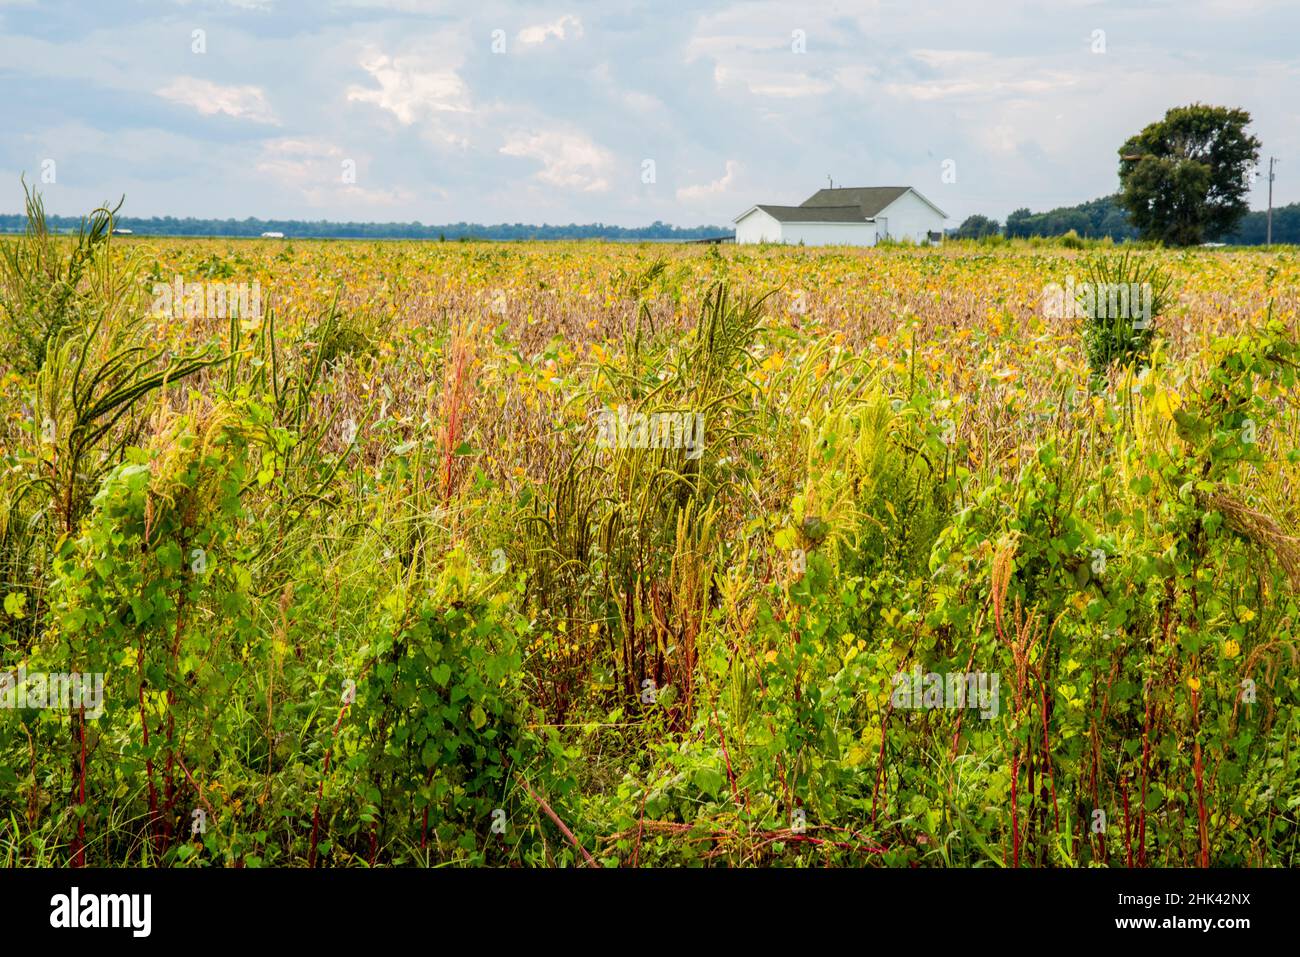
(368, 587)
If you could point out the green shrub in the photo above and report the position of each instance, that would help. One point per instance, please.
(437, 747)
(49, 283)
(1120, 297)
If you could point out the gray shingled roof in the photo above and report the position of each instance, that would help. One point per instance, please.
(869, 200)
(819, 214)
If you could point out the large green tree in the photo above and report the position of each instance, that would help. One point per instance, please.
(1184, 178)
(977, 227)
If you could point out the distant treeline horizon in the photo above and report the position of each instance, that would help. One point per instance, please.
(1094, 219)
(1104, 217)
(326, 229)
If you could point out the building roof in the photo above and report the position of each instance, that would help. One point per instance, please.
(853, 204)
(870, 200)
(819, 214)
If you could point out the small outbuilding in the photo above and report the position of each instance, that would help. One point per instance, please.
(845, 216)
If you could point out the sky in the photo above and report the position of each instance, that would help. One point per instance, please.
(614, 111)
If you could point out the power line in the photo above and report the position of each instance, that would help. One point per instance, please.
(1269, 238)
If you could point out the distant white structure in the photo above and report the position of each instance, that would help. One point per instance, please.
(123, 232)
(853, 216)
(273, 235)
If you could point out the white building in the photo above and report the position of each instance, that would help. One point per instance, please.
(855, 216)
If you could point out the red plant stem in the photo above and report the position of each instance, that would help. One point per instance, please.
(1146, 734)
(1146, 770)
(1095, 749)
(148, 760)
(197, 790)
(591, 861)
(169, 782)
(880, 761)
(320, 791)
(1203, 821)
(1128, 835)
(735, 795)
(1047, 755)
(956, 734)
(454, 395)
(880, 772)
(79, 842)
(640, 829)
(1015, 819)
(169, 775)
(780, 763)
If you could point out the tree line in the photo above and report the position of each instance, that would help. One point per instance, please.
(1183, 180)
(325, 229)
(1101, 218)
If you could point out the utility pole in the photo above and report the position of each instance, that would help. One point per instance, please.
(1269, 239)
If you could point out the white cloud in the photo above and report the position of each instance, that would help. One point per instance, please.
(560, 29)
(409, 92)
(947, 59)
(1237, 8)
(876, 98)
(242, 4)
(982, 87)
(1000, 138)
(292, 160)
(858, 78)
(569, 160)
(243, 102)
(711, 189)
(764, 82)
(642, 102)
(772, 49)
(315, 170)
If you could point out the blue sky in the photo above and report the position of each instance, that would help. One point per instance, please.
(548, 111)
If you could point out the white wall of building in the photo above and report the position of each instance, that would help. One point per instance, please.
(910, 217)
(758, 227)
(829, 234)
(907, 218)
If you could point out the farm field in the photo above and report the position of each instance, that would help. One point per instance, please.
(644, 555)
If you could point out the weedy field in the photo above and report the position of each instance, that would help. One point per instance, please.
(591, 554)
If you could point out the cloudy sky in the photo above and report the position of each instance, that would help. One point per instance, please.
(618, 111)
